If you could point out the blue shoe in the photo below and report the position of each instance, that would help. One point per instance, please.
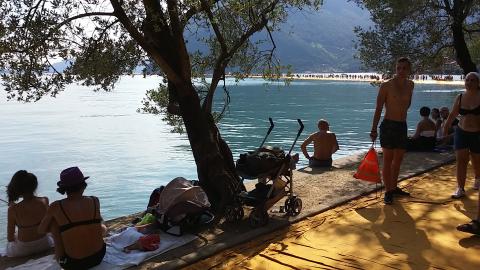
(388, 199)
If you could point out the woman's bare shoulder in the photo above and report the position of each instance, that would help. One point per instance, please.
(43, 200)
(55, 205)
(12, 207)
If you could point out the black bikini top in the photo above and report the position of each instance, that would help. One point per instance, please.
(29, 226)
(71, 224)
(462, 111)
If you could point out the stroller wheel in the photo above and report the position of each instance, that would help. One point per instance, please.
(258, 217)
(288, 205)
(293, 206)
(234, 213)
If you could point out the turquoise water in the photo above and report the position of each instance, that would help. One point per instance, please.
(127, 154)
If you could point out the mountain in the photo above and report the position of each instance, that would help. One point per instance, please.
(312, 41)
(322, 41)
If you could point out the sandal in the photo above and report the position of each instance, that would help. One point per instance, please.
(473, 227)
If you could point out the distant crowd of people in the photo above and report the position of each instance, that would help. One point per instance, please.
(340, 76)
(437, 128)
(375, 77)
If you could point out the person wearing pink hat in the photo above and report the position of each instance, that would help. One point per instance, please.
(75, 223)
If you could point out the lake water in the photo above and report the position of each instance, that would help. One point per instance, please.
(127, 154)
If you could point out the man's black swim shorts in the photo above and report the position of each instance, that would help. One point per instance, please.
(393, 134)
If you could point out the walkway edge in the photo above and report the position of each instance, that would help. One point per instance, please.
(215, 248)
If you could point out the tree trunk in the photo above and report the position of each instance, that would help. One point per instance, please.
(463, 58)
(215, 166)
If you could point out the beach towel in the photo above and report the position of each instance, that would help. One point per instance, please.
(43, 263)
(19, 249)
(115, 258)
(121, 260)
(369, 169)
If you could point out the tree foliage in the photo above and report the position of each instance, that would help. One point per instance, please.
(432, 33)
(104, 39)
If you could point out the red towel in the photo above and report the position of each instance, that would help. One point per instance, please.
(149, 242)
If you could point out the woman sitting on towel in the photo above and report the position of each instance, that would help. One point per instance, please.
(75, 223)
(424, 137)
(26, 216)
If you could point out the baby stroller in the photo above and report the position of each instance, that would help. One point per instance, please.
(274, 171)
(182, 206)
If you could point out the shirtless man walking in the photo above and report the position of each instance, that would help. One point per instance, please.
(324, 145)
(396, 96)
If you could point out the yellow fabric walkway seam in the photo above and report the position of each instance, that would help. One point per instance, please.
(413, 233)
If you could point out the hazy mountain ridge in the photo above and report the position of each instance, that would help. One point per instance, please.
(322, 41)
(313, 41)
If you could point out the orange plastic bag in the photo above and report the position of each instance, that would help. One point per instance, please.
(369, 169)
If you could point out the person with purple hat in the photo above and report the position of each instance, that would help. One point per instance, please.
(75, 223)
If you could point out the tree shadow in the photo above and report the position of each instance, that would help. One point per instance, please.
(370, 214)
(398, 235)
(466, 206)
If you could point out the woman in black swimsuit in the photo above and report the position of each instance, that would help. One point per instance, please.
(76, 223)
(467, 138)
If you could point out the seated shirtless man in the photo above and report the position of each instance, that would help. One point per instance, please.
(324, 145)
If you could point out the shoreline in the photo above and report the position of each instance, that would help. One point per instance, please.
(311, 77)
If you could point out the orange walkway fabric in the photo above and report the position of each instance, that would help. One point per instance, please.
(413, 233)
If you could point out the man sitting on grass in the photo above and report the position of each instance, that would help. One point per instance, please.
(324, 144)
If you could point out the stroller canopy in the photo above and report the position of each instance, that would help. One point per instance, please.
(178, 192)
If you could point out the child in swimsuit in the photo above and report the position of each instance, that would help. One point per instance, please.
(25, 216)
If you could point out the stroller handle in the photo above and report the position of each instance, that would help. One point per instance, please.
(298, 135)
(268, 132)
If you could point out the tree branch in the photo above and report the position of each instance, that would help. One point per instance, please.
(470, 31)
(32, 11)
(153, 9)
(224, 58)
(58, 26)
(83, 15)
(137, 36)
(448, 7)
(94, 41)
(216, 28)
(441, 48)
(189, 14)
(177, 32)
(253, 29)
